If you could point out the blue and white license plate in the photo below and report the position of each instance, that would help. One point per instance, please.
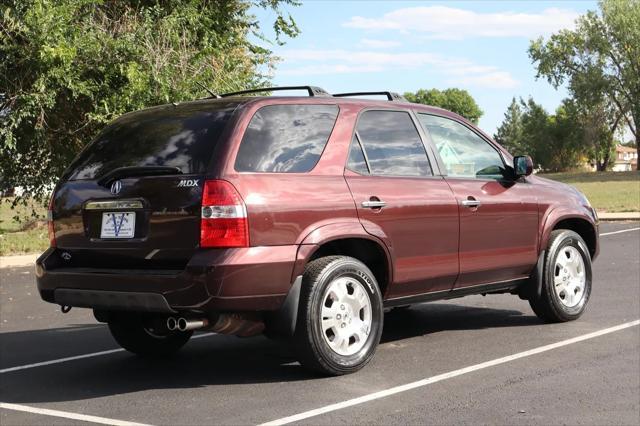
(118, 225)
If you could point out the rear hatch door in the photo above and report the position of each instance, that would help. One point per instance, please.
(132, 197)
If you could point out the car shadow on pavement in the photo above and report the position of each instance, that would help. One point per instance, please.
(209, 361)
(430, 318)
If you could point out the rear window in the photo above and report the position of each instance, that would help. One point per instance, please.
(182, 136)
(286, 138)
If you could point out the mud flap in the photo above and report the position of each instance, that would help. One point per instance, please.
(533, 288)
(282, 323)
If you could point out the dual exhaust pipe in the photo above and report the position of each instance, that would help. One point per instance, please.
(234, 324)
(183, 324)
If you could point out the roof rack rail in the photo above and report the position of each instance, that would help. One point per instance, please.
(312, 90)
(391, 96)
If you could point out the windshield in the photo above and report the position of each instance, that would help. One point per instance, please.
(182, 136)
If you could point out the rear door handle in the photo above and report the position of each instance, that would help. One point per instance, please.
(373, 204)
(471, 202)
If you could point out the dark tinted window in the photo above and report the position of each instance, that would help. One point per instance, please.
(463, 152)
(182, 136)
(286, 138)
(357, 162)
(392, 144)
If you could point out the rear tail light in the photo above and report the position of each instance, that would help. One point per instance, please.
(50, 228)
(223, 220)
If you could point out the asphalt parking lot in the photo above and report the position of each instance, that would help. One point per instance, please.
(465, 361)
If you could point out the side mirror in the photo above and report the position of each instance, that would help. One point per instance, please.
(522, 165)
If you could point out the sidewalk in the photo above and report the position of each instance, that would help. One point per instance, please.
(18, 261)
(619, 216)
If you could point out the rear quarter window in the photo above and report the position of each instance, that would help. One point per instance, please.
(286, 138)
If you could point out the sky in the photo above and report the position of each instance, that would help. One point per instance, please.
(405, 46)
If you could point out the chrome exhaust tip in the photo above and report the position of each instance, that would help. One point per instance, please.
(186, 325)
(172, 324)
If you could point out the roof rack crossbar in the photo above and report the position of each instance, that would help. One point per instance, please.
(312, 90)
(391, 96)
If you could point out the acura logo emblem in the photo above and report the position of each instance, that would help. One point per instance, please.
(116, 187)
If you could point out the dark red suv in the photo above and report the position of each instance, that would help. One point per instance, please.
(304, 218)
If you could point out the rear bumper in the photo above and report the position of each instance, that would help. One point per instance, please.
(112, 300)
(239, 279)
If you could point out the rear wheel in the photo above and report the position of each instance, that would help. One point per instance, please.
(566, 284)
(145, 336)
(340, 316)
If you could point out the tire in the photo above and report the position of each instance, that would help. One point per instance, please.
(565, 289)
(146, 337)
(338, 289)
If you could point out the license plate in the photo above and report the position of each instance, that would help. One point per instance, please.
(118, 225)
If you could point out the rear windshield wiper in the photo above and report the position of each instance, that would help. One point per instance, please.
(122, 172)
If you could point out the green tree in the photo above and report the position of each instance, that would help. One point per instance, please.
(565, 147)
(70, 66)
(554, 141)
(595, 125)
(535, 132)
(456, 100)
(600, 61)
(510, 133)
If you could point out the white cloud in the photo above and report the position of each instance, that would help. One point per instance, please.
(451, 23)
(376, 61)
(378, 44)
(491, 80)
(340, 61)
(331, 69)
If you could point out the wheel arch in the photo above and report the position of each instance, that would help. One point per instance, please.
(345, 238)
(348, 239)
(582, 225)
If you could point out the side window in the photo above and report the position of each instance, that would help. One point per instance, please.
(464, 153)
(392, 144)
(357, 161)
(286, 138)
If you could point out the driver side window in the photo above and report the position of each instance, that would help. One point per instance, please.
(464, 153)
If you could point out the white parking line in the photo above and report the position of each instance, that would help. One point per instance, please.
(59, 360)
(68, 415)
(619, 232)
(73, 358)
(445, 376)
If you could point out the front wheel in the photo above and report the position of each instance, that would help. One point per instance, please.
(146, 336)
(340, 316)
(566, 284)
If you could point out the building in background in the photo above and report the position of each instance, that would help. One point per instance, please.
(626, 159)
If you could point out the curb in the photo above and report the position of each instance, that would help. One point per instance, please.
(18, 261)
(619, 216)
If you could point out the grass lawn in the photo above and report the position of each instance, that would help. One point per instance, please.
(607, 191)
(31, 241)
(28, 235)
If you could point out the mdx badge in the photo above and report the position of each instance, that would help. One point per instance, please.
(188, 182)
(116, 187)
